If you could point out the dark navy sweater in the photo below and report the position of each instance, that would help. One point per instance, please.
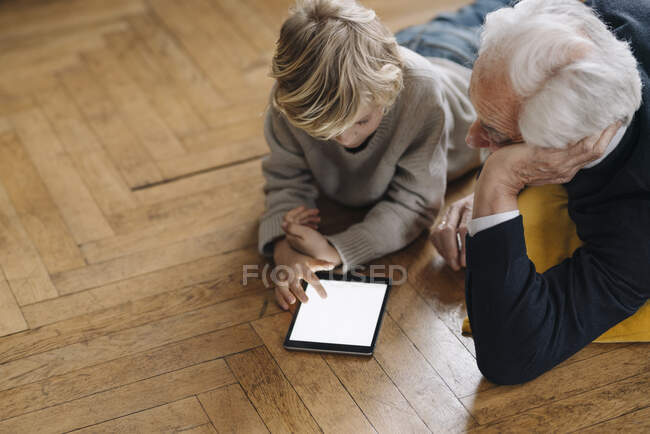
(524, 322)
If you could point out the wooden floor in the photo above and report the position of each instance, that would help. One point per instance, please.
(130, 188)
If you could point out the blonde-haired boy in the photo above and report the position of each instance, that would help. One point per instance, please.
(365, 121)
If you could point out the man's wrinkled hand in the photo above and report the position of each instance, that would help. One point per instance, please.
(521, 165)
(449, 236)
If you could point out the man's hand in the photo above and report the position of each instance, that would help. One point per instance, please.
(452, 228)
(295, 267)
(300, 228)
(508, 170)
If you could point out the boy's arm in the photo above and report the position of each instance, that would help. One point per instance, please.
(410, 205)
(289, 181)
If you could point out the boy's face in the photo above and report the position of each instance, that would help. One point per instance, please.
(365, 123)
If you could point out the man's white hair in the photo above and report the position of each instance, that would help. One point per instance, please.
(574, 77)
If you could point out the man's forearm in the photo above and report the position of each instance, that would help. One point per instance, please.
(492, 195)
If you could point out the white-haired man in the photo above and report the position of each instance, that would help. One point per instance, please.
(552, 72)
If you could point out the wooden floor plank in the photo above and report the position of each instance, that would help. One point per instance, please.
(274, 12)
(442, 349)
(238, 181)
(11, 318)
(23, 78)
(275, 400)
(131, 265)
(124, 400)
(130, 101)
(641, 348)
(237, 229)
(125, 370)
(20, 96)
(431, 398)
(230, 410)
(90, 159)
(155, 109)
(22, 265)
(12, 103)
(75, 203)
(146, 229)
(208, 428)
(174, 417)
(593, 350)
(130, 341)
(121, 317)
(180, 21)
(230, 41)
(134, 312)
(170, 102)
(219, 272)
(240, 112)
(327, 400)
(440, 287)
(217, 157)
(583, 410)
(375, 394)
(18, 23)
(192, 208)
(188, 21)
(36, 209)
(44, 48)
(125, 150)
(234, 48)
(557, 384)
(637, 421)
(248, 21)
(176, 61)
(237, 133)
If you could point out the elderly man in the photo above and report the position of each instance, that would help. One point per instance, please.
(552, 73)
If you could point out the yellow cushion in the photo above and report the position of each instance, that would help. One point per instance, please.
(551, 237)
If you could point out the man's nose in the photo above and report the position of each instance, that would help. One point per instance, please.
(474, 138)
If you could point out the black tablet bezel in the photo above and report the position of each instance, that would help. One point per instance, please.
(340, 348)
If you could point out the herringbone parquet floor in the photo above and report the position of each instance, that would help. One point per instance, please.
(130, 188)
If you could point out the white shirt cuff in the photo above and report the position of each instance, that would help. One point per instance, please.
(481, 223)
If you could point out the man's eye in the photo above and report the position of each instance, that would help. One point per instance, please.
(362, 122)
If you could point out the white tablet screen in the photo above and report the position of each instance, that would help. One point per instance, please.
(348, 316)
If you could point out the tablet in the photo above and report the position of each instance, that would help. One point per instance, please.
(347, 321)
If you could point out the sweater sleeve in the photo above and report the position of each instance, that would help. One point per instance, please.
(289, 181)
(524, 322)
(410, 204)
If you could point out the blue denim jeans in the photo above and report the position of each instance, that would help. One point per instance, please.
(451, 35)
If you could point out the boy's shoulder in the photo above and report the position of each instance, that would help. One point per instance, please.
(414, 63)
(418, 67)
(421, 80)
(429, 75)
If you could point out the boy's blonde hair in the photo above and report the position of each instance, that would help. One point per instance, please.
(333, 56)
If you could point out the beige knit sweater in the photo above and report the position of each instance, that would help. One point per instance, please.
(403, 170)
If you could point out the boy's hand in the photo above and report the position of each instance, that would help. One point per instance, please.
(295, 267)
(303, 216)
(300, 226)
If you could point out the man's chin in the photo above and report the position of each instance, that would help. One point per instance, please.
(494, 148)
